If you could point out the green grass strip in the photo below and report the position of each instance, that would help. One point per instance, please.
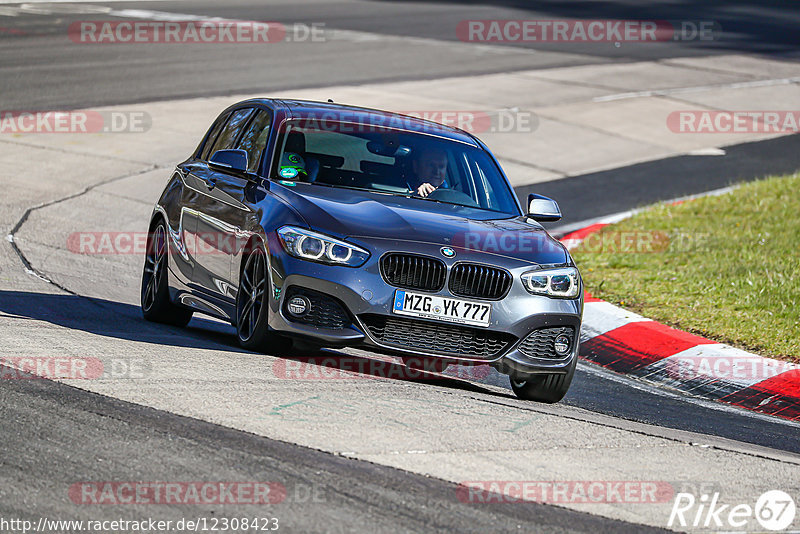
(725, 267)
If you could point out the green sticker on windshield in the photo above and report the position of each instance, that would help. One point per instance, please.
(286, 182)
(289, 172)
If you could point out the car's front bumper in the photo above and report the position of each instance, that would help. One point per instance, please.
(363, 292)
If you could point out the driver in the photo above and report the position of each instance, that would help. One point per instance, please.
(430, 171)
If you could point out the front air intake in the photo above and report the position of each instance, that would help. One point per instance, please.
(411, 271)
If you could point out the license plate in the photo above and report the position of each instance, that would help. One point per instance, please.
(442, 308)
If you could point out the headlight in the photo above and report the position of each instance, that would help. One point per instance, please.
(564, 282)
(312, 246)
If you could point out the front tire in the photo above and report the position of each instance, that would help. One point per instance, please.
(547, 388)
(252, 307)
(155, 302)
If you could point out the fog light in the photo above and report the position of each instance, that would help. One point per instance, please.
(298, 306)
(561, 344)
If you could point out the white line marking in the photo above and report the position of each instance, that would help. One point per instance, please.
(332, 34)
(707, 152)
(148, 14)
(697, 89)
(602, 317)
(730, 365)
(74, 1)
(601, 372)
(617, 217)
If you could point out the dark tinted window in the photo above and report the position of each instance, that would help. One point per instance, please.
(254, 139)
(389, 161)
(212, 136)
(228, 135)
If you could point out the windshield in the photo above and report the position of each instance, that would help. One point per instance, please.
(418, 165)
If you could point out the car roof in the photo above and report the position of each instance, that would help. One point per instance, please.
(310, 109)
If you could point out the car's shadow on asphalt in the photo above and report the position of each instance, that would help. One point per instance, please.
(124, 321)
(332, 364)
(114, 319)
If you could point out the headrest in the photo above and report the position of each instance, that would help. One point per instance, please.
(296, 142)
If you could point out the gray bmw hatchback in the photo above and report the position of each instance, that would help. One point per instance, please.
(341, 226)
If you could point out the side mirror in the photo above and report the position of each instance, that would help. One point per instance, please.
(543, 209)
(229, 161)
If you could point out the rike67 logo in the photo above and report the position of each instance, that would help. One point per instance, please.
(774, 510)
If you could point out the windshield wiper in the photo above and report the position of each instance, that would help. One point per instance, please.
(407, 195)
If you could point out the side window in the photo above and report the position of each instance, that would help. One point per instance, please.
(254, 139)
(230, 132)
(212, 136)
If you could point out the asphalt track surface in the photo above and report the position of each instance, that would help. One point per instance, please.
(39, 71)
(63, 434)
(89, 434)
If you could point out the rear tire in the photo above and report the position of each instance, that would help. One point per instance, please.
(252, 308)
(547, 388)
(154, 296)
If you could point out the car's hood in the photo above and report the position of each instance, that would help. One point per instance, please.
(352, 213)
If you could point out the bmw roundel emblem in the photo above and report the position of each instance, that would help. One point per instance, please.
(447, 252)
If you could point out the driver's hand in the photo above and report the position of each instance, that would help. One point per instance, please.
(425, 189)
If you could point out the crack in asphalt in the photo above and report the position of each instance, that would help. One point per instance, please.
(29, 268)
(683, 437)
(76, 152)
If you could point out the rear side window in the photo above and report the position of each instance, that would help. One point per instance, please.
(254, 139)
(230, 132)
(212, 136)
